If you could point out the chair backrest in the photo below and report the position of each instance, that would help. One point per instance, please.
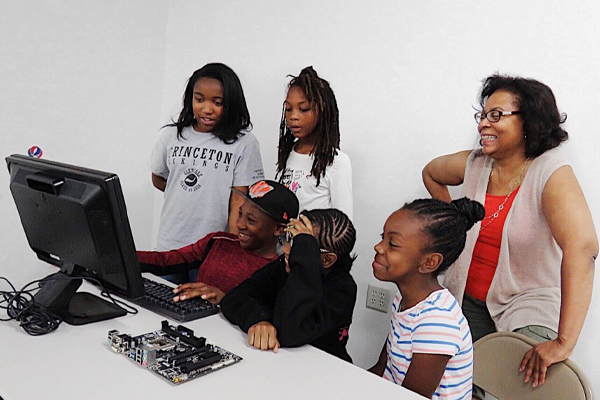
(497, 358)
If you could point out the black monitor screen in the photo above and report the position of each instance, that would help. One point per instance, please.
(75, 218)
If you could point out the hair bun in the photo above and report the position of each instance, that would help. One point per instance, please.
(471, 210)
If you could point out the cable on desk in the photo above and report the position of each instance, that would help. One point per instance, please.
(118, 303)
(34, 319)
(19, 305)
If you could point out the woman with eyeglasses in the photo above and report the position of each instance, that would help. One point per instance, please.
(529, 266)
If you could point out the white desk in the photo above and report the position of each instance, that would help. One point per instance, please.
(76, 362)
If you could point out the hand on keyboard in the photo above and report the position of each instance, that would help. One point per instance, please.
(159, 299)
(188, 291)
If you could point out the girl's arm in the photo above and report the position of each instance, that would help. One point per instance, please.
(173, 261)
(235, 202)
(443, 171)
(570, 221)
(159, 182)
(158, 160)
(425, 373)
(378, 368)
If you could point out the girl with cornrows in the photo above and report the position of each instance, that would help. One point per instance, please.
(307, 295)
(310, 162)
(529, 265)
(428, 349)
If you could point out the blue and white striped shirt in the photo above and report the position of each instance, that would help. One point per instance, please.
(436, 325)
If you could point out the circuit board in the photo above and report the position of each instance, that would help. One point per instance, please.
(173, 352)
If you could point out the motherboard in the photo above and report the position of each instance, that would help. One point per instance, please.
(173, 352)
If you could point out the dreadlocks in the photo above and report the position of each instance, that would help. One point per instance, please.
(321, 97)
(336, 233)
(447, 224)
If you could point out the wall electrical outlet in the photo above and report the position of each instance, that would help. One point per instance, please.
(378, 298)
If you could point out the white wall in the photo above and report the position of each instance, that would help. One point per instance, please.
(83, 81)
(406, 75)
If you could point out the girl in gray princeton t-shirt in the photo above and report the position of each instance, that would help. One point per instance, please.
(199, 157)
(200, 170)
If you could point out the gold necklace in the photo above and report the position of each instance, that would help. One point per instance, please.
(495, 215)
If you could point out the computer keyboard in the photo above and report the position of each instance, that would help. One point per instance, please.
(159, 299)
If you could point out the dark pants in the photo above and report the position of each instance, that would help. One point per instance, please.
(478, 316)
(481, 323)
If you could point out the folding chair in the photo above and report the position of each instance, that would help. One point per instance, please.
(497, 358)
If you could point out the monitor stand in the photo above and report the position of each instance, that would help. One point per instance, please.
(58, 295)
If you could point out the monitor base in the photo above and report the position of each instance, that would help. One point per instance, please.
(86, 308)
(58, 296)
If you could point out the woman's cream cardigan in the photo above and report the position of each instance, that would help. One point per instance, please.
(525, 289)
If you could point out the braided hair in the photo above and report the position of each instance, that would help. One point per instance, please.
(336, 233)
(446, 224)
(319, 94)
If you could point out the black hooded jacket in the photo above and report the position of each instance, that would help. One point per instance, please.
(310, 305)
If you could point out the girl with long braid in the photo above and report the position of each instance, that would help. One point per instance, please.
(310, 162)
(307, 295)
(429, 348)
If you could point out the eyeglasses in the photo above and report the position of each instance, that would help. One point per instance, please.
(289, 238)
(493, 116)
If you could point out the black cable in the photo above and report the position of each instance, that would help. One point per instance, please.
(20, 306)
(119, 303)
(36, 320)
(103, 292)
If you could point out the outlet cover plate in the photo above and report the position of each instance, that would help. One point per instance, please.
(379, 298)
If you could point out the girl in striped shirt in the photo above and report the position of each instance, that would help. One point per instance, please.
(428, 349)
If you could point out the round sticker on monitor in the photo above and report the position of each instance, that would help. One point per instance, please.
(35, 151)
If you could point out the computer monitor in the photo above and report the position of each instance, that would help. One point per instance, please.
(75, 218)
